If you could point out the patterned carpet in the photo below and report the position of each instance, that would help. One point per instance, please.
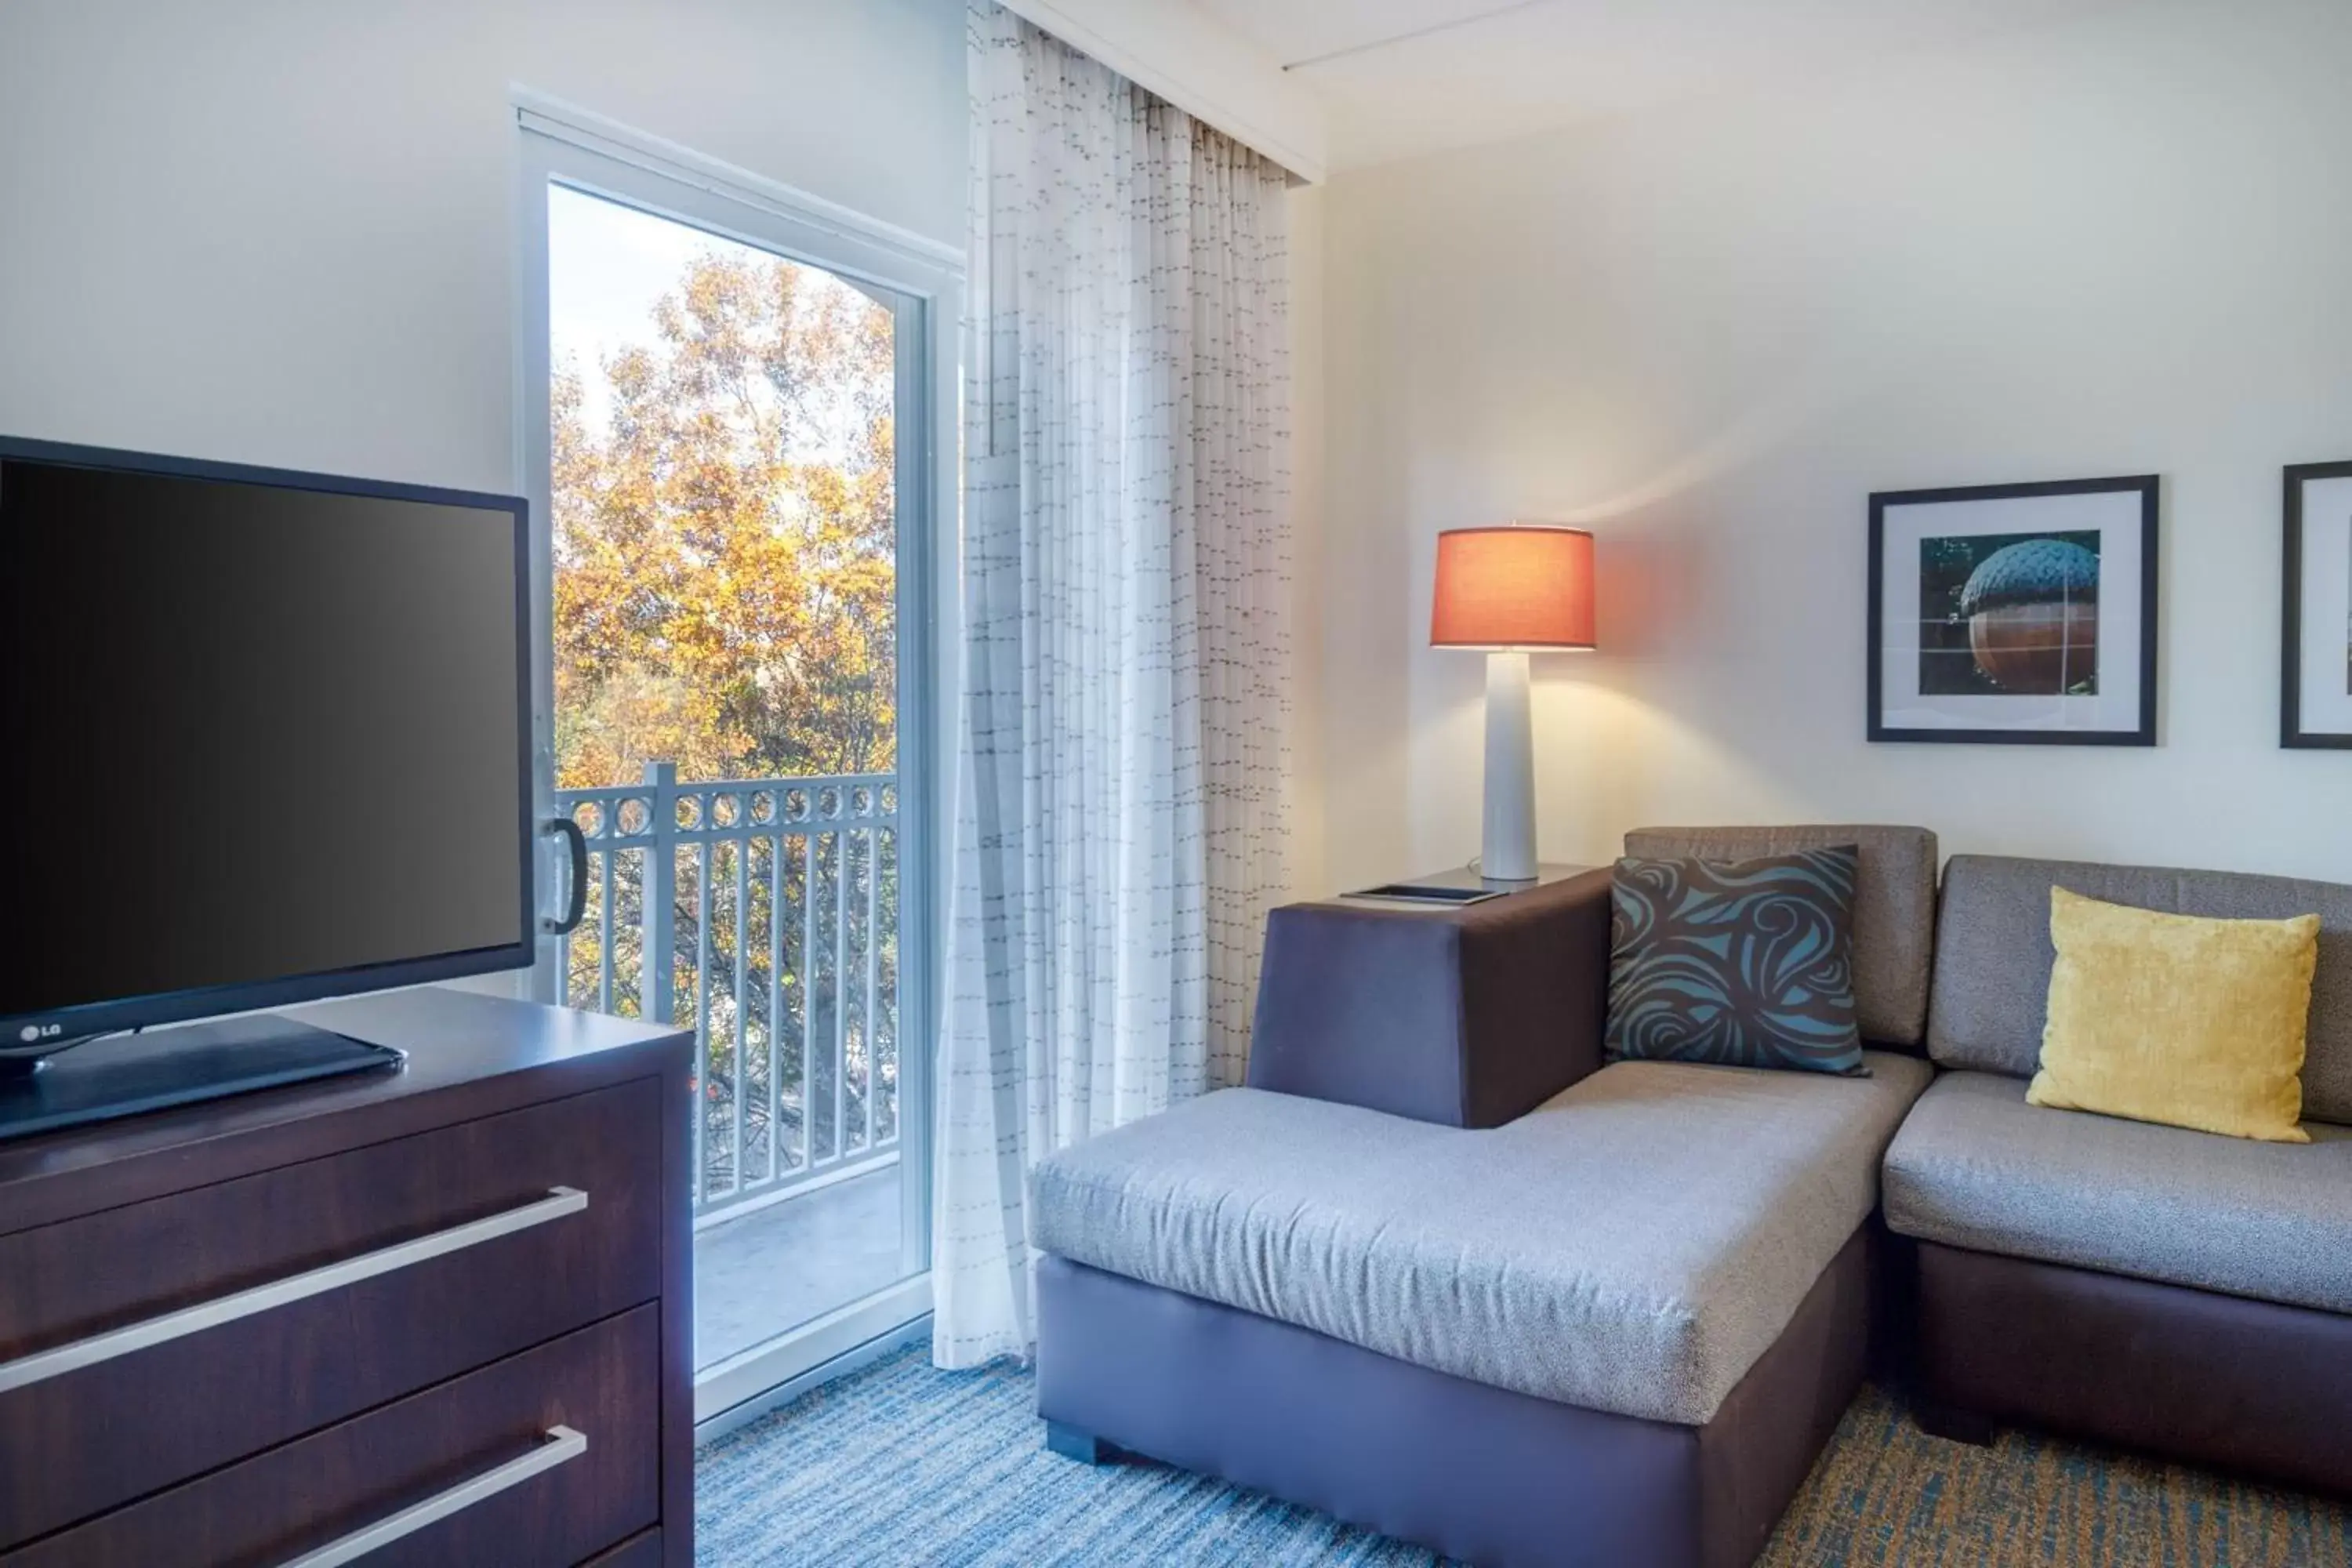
(905, 1465)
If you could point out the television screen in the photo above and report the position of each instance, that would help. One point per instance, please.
(265, 738)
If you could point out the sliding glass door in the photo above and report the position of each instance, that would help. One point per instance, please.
(730, 417)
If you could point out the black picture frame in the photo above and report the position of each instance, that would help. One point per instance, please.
(2149, 489)
(2293, 736)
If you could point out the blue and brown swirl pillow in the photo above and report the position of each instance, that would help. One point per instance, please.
(1736, 962)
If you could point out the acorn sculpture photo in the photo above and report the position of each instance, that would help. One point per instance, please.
(2032, 610)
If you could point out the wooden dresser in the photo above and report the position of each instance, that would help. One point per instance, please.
(438, 1316)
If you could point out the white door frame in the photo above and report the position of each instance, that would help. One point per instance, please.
(561, 143)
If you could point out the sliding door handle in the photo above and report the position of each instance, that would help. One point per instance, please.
(576, 905)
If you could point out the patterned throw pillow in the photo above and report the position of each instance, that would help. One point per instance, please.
(1736, 962)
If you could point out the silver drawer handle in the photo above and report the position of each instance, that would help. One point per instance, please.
(562, 1446)
(42, 1366)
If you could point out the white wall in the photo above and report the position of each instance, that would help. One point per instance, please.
(2116, 245)
(282, 231)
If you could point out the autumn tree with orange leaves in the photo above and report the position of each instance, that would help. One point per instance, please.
(724, 549)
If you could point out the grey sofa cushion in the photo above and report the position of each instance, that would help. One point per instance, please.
(1630, 1245)
(1975, 1166)
(1893, 907)
(1993, 957)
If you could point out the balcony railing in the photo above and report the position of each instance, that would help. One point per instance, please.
(764, 914)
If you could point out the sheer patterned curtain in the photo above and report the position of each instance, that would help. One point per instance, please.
(1124, 764)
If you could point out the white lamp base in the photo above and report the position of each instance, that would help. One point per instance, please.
(1508, 850)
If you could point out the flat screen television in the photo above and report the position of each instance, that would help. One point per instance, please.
(264, 739)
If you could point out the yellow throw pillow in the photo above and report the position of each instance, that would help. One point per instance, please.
(2193, 1023)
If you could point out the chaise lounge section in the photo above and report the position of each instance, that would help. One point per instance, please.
(1615, 1330)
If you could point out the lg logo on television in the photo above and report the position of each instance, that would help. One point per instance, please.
(32, 1032)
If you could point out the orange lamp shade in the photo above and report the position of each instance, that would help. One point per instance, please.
(1513, 588)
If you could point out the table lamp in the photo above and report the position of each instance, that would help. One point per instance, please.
(1511, 591)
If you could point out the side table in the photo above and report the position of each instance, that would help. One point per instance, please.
(1469, 1015)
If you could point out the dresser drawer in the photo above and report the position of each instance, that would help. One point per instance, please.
(571, 1428)
(637, 1552)
(288, 1301)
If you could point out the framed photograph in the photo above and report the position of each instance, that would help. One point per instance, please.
(2316, 707)
(2021, 615)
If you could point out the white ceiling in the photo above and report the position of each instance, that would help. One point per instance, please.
(1452, 73)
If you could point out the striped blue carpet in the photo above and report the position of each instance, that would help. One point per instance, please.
(905, 1465)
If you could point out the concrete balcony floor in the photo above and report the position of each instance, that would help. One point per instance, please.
(769, 1270)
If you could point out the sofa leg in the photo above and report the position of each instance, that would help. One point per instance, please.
(1073, 1444)
(1953, 1423)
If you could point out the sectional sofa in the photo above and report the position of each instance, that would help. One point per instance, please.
(1619, 1329)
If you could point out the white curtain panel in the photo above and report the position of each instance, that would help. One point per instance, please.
(1123, 771)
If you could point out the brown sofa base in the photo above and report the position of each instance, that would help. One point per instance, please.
(1479, 1473)
(2217, 1380)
